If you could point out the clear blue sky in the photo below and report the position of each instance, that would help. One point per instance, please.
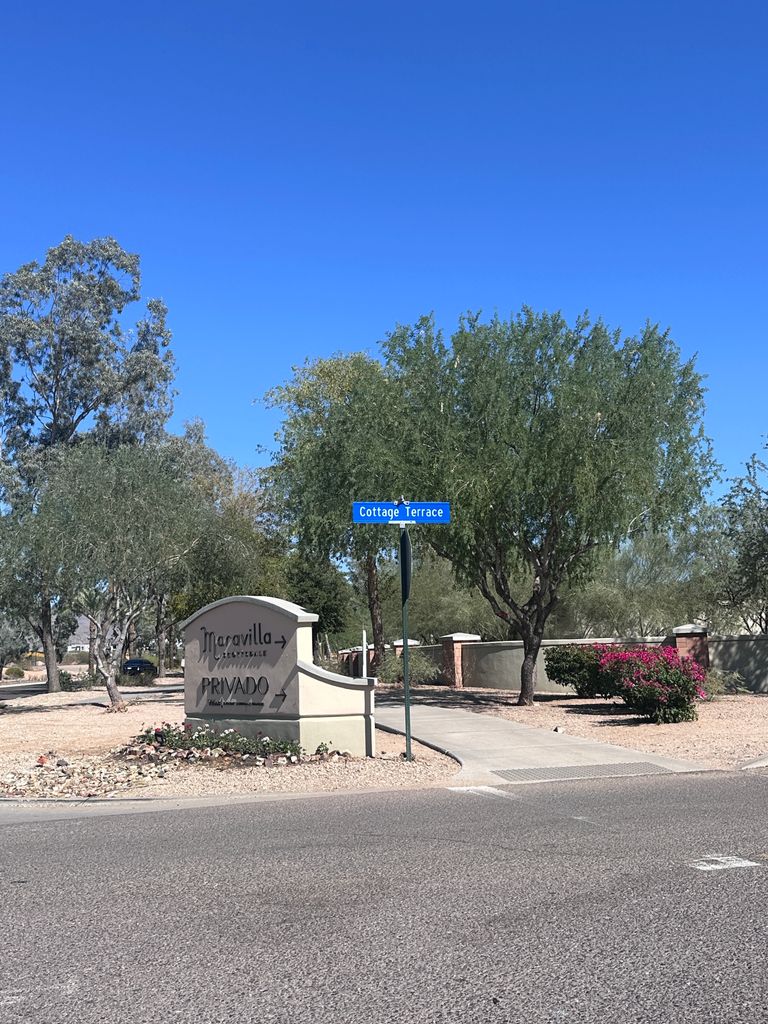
(299, 177)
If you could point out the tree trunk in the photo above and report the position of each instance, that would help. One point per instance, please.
(115, 697)
(160, 635)
(171, 646)
(374, 607)
(531, 645)
(91, 648)
(49, 647)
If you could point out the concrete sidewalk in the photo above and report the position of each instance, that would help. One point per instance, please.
(494, 751)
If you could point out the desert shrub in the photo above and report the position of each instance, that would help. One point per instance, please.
(137, 679)
(71, 683)
(181, 737)
(655, 682)
(421, 668)
(720, 683)
(578, 665)
(13, 672)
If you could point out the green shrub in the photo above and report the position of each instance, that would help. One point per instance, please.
(421, 668)
(178, 737)
(13, 672)
(71, 684)
(655, 681)
(578, 665)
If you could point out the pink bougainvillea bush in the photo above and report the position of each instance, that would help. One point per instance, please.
(655, 681)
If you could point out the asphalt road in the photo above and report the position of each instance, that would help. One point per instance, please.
(572, 902)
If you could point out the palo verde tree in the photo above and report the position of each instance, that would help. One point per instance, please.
(335, 447)
(551, 441)
(68, 365)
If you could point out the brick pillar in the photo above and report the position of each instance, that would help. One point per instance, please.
(691, 642)
(452, 644)
(397, 646)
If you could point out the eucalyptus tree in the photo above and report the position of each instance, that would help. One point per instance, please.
(552, 442)
(338, 443)
(70, 365)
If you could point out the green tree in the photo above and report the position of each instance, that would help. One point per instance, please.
(647, 586)
(336, 445)
(125, 518)
(14, 640)
(438, 604)
(69, 365)
(320, 587)
(552, 442)
(739, 548)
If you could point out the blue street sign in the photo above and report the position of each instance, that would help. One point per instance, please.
(436, 513)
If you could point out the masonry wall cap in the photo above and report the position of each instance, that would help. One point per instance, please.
(690, 628)
(411, 643)
(460, 636)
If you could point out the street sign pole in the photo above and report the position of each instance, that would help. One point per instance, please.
(402, 513)
(405, 590)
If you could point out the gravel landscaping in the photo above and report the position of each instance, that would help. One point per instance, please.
(69, 745)
(729, 731)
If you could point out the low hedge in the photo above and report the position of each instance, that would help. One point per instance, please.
(652, 681)
(421, 668)
(578, 666)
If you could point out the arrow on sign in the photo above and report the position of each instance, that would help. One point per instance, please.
(282, 641)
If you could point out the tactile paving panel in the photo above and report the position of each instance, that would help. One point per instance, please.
(581, 771)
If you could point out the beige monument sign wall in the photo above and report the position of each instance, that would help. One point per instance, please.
(248, 666)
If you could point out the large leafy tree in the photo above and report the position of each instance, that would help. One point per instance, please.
(125, 519)
(337, 444)
(552, 442)
(70, 364)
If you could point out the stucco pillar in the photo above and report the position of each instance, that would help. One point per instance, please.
(691, 642)
(452, 644)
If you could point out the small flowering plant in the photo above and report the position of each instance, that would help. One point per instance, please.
(178, 737)
(655, 682)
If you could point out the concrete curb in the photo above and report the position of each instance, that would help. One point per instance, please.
(759, 762)
(424, 743)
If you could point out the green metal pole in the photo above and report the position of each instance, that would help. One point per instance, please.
(406, 679)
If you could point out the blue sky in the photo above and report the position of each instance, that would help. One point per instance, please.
(300, 177)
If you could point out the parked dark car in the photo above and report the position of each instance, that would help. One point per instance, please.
(139, 667)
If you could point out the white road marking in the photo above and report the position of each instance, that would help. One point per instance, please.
(484, 791)
(718, 863)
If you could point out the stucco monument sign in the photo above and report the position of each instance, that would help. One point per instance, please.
(248, 666)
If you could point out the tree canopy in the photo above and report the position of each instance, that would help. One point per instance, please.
(70, 365)
(335, 444)
(551, 441)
